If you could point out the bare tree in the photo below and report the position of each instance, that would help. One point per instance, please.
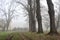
(8, 16)
(31, 14)
(39, 18)
(32, 24)
(52, 17)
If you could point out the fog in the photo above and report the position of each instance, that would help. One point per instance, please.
(21, 20)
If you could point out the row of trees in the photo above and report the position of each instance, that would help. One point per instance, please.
(33, 8)
(36, 12)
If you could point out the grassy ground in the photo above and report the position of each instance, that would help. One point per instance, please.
(35, 36)
(3, 35)
(27, 36)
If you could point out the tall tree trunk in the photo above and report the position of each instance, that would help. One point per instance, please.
(7, 24)
(32, 26)
(39, 18)
(52, 17)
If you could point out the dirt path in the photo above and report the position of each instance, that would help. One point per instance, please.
(21, 36)
(9, 37)
(24, 37)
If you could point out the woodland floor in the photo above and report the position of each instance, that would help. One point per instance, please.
(26, 36)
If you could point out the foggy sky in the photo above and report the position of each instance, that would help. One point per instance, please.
(20, 21)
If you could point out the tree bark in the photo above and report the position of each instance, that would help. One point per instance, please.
(38, 16)
(52, 17)
(32, 26)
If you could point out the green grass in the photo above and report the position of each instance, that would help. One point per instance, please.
(16, 36)
(3, 35)
(33, 36)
